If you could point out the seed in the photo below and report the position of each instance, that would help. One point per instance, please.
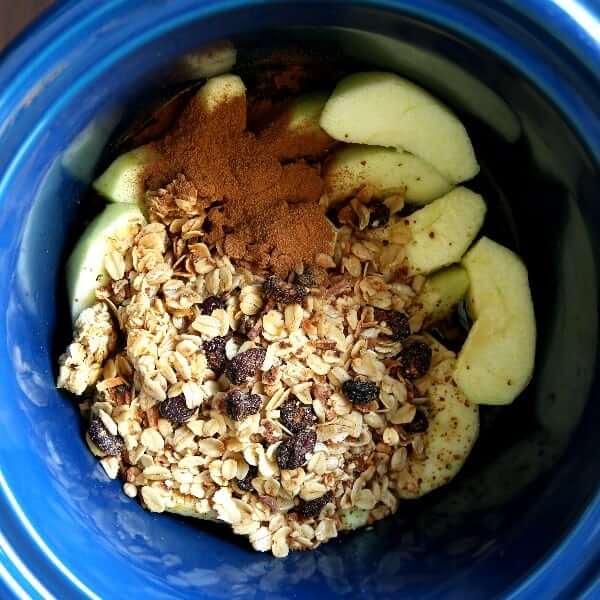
(360, 391)
(415, 360)
(380, 215)
(244, 365)
(240, 405)
(245, 484)
(419, 424)
(312, 508)
(291, 453)
(215, 353)
(396, 321)
(212, 303)
(107, 443)
(175, 409)
(296, 416)
(281, 291)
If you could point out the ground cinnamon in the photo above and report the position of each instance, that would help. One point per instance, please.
(266, 213)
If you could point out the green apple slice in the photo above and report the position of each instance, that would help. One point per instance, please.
(220, 89)
(441, 292)
(385, 171)
(442, 231)
(216, 59)
(354, 518)
(452, 432)
(296, 132)
(383, 109)
(85, 267)
(122, 181)
(185, 506)
(496, 361)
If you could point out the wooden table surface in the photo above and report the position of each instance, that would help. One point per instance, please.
(16, 14)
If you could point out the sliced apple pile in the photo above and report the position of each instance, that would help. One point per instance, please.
(441, 293)
(496, 361)
(442, 231)
(85, 267)
(384, 109)
(452, 432)
(384, 171)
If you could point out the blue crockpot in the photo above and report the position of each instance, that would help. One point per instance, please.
(522, 520)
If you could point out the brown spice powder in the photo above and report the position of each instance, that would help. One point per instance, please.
(267, 213)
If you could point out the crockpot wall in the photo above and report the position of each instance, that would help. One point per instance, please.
(520, 518)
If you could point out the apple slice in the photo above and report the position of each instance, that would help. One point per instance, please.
(216, 59)
(296, 132)
(496, 361)
(452, 432)
(122, 181)
(354, 518)
(442, 231)
(385, 171)
(384, 109)
(441, 292)
(85, 267)
(185, 506)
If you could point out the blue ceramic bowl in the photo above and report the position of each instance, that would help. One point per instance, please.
(522, 520)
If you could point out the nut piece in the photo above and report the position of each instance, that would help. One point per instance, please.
(291, 453)
(212, 303)
(244, 365)
(359, 391)
(419, 424)
(415, 360)
(175, 409)
(312, 508)
(103, 439)
(240, 405)
(215, 353)
(281, 291)
(296, 416)
(396, 321)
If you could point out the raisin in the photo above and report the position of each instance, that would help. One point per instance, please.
(103, 439)
(246, 484)
(313, 508)
(210, 304)
(419, 424)
(306, 279)
(240, 405)
(291, 453)
(244, 365)
(415, 360)
(296, 416)
(396, 321)
(215, 353)
(380, 215)
(359, 391)
(175, 409)
(281, 291)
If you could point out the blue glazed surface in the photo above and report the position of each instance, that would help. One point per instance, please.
(521, 521)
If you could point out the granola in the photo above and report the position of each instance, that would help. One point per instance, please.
(278, 407)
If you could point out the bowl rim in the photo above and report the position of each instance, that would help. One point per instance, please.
(572, 25)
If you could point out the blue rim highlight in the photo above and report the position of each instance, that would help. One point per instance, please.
(37, 54)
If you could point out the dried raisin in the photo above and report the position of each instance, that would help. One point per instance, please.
(419, 424)
(296, 416)
(281, 291)
(210, 304)
(175, 409)
(103, 439)
(244, 365)
(240, 405)
(292, 453)
(306, 279)
(360, 391)
(380, 215)
(415, 360)
(313, 508)
(246, 484)
(396, 321)
(215, 353)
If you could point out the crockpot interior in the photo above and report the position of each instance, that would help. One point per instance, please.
(530, 476)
